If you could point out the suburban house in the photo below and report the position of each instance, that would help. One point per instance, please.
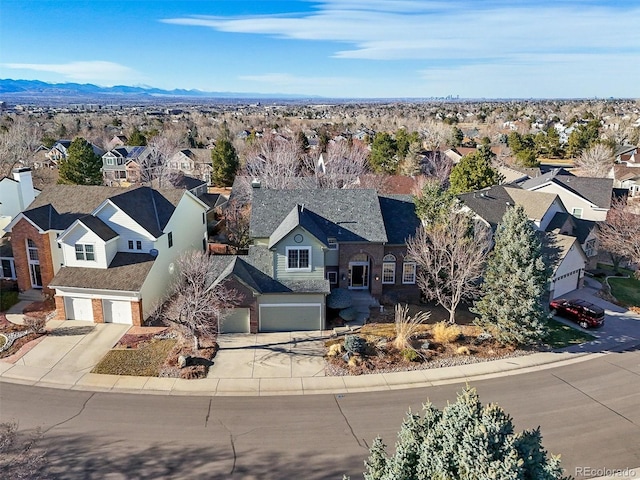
(626, 171)
(122, 166)
(107, 254)
(306, 242)
(195, 162)
(16, 193)
(59, 152)
(583, 197)
(559, 231)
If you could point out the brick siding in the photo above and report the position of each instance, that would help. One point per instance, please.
(22, 231)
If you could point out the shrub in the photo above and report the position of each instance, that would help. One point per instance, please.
(339, 298)
(8, 298)
(410, 355)
(464, 350)
(444, 332)
(335, 350)
(348, 314)
(406, 326)
(35, 324)
(355, 344)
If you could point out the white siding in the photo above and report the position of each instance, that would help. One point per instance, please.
(126, 227)
(79, 234)
(188, 234)
(571, 201)
(567, 274)
(57, 256)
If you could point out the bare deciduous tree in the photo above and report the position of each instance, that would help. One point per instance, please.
(596, 161)
(20, 458)
(620, 234)
(344, 162)
(197, 304)
(437, 165)
(273, 160)
(19, 140)
(155, 165)
(450, 256)
(236, 217)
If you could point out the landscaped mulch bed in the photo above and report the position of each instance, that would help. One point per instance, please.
(7, 327)
(199, 363)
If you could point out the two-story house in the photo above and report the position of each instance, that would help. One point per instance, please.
(307, 241)
(122, 166)
(584, 197)
(563, 240)
(195, 162)
(107, 254)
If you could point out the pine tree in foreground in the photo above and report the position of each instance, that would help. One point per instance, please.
(515, 282)
(464, 441)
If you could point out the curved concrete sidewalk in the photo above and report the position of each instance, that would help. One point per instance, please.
(276, 363)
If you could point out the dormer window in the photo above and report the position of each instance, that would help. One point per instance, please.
(299, 258)
(110, 161)
(85, 252)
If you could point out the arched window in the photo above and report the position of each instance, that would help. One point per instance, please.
(389, 269)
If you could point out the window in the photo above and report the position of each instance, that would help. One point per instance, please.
(84, 252)
(576, 212)
(32, 250)
(59, 244)
(333, 243)
(120, 174)
(408, 273)
(299, 258)
(110, 161)
(8, 270)
(389, 269)
(590, 248)
(138, 245)
(332, 277)
(130, 244)
(170, 239)
(204, 218)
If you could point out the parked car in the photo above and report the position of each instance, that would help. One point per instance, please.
(582, 312)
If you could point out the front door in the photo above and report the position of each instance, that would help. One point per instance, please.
(34, 264)
(359, 275)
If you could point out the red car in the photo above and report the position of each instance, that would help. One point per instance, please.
(582, 312)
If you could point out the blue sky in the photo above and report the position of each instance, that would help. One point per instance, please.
(332, 48)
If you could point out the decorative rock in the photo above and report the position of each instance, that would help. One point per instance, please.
(183, 361)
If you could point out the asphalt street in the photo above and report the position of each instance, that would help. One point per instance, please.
(588, 412)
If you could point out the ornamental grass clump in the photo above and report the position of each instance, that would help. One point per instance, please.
(444, 332)
(407, 326)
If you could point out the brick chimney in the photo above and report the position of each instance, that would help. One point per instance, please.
(26, 192)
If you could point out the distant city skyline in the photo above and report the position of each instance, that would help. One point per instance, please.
(331, 48)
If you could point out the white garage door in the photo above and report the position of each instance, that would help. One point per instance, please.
(236, 322)
(288, 318)
(78, 308)
(566, 283)
(117, 311)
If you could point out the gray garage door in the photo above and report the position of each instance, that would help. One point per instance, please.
(236, 322)
(566, 283)
(288, 318)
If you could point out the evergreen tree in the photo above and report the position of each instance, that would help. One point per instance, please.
(515, 282)
(137, 138)
(82, 166)
(384, 150)
(434, 203)
(224, 159)
(474, 172)
(464, 441)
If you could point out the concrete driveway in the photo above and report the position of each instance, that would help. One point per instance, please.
(270, 355)
(620, 325)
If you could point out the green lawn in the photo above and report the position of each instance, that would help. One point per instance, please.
(626, 290)
(144, 361)
(561, 335)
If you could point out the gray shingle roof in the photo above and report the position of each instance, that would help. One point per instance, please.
(299, 216)
(399, 216)
(347, 215)
(580, 228)
(595, 190)
(98, 227)
(127, 272)
(58, 206)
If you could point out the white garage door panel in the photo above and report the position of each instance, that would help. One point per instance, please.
(286, 318)
(565, 285)
(117, 311)
(236, 322)
(78, 308)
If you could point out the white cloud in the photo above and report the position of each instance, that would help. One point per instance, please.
(102, 72)
(386, 29)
